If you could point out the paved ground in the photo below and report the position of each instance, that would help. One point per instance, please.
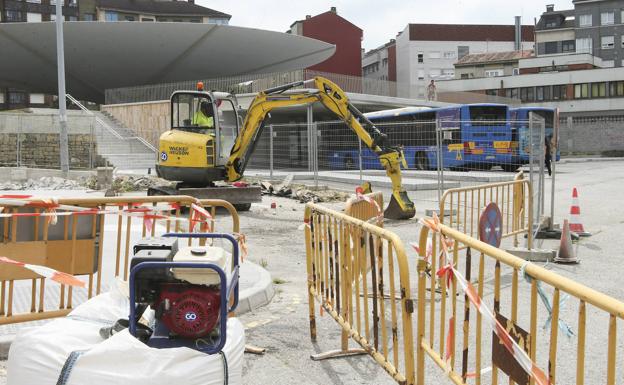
(275, 241)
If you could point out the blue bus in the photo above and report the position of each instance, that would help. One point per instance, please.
(473, 136)
(520, 143)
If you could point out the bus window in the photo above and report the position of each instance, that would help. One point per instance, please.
(487, 115)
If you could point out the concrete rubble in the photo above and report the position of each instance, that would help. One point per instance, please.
(302, 193)
(44, 183)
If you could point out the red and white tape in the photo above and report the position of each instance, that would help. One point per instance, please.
(510, 344)
(55, 275)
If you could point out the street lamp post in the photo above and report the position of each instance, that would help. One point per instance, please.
(60, 62)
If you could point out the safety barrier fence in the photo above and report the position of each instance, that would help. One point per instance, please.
(515, 289)
(460, 208)
(76, 244)
(482, 314)
(363, 209)
(359, 274)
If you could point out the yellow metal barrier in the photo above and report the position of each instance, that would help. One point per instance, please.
(363, 210)
(463, 207)
(75, 245)
(527, 285)
(359, 274)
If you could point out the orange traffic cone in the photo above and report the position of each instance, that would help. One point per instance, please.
(566, 251)
(575, 216)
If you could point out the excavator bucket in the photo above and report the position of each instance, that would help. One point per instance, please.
(400, 207)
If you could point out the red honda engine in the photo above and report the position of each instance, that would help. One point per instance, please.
(189, 311)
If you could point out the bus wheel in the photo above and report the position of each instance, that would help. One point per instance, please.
(510, 167)
(422, 163)
(348, 163)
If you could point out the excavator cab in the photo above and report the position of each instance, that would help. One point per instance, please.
(204, 126)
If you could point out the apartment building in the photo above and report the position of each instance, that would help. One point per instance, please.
(380, 63)
(577, 64)
(12, 11)
(332, 28)
(426, 52)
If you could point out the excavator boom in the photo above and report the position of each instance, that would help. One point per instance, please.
(334, 99)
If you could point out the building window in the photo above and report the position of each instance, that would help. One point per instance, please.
(526, 94)
(13, 16)
(551, 23)
(581, 91)
(384, 62)
(491, 92)
(516, 71)
(72, 18)
(462, 50)
(196, 21)
(599, 90)
(33, 17)
(16, 97)
(585, 20)
(539, 94)
(494, 73)
(37, 99)
(421, 74)
(434, 55)
(73, 3)
(34, 1)
(550, 47)
(449, 54)
(464, 76)
(608, 63)
(567, 46)
(607, 18)
(129, 18)
(421, 58)
(559, 92)
(607, 42)
(88, 17)
(448, 72)
(434, 73)
(584, 45)
(111, 16)
(147, 19)
(616, 89)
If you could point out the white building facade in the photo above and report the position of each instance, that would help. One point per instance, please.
(428, 52)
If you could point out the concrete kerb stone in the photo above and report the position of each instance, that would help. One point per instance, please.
(250, 298)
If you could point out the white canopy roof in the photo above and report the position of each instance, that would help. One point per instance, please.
(101, 55)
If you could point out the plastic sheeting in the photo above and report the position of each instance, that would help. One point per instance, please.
(37, 355)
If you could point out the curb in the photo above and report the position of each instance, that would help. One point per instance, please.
(5, 345)
(585, 160)
(260, 294)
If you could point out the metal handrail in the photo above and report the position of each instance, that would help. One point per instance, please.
(107, 127)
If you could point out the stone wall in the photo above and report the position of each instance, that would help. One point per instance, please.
(148, 120)
(601, 135)
(32, 140)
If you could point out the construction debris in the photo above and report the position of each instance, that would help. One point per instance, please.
(127, 183)
(44, 183)
(302, 193)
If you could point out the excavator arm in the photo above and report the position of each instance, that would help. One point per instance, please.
(334, 99)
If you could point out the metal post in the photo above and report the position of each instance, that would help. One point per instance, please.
(531, 157)
(270, 151)
(315, 153)
(311, 148)
(542, 161)
(439, 161)
(18, 142)
(60, 63)
(360, 156)
(553, 161)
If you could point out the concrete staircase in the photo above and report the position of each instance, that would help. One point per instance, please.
(120, 146)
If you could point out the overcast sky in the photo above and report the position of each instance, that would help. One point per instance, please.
(381, 19)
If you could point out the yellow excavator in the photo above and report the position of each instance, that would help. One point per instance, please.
(205, 151)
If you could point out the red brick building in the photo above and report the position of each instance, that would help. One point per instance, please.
(332, 28)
